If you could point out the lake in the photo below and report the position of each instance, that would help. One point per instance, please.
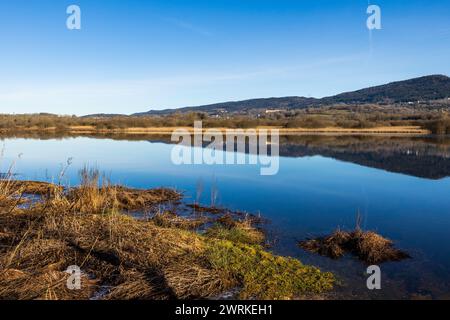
(400, 186)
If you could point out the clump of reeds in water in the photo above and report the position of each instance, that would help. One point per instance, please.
(368, 246)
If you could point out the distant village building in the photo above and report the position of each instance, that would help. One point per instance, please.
(268, 111)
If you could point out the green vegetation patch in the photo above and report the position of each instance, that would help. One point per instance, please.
(263, 275)
(241, 233)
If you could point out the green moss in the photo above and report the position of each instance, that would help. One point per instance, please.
(263, 275)
(239, 234)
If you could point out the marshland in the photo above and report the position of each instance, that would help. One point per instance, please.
(141, 227)
(158, 257)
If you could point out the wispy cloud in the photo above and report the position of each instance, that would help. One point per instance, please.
(444, 33)
(140, 93)
(188, 26)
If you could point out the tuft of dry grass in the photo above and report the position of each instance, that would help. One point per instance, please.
(11, 194)
(136, 199)
(368, 246)
(168, 219)
(333, 246)
(36, 187)
(373, 248)
(97, 195)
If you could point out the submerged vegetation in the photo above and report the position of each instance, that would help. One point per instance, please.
(160, 256)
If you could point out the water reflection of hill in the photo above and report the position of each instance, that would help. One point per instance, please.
(425, 157)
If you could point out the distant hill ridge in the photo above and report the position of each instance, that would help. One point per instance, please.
(425, 88)
(418, 89)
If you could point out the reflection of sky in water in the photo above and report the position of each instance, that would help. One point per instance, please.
(309, 195)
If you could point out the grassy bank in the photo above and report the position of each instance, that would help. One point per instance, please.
(161, 256)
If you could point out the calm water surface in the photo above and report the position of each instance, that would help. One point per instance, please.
(399, 185)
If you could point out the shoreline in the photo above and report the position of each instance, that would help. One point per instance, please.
(92, 226)
(397, 130)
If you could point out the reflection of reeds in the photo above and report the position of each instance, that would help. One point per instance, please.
(198, 191)
(214, 193)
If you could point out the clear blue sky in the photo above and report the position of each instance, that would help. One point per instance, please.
(137, 55)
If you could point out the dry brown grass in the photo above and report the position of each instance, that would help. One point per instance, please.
(35, 187)
(7, 194)
(82, 226)
(168, 219)
(115, 249)
(97, 195)
(136, 199)
(368, 246)
(333, 246)
(373, 248)
(45, 285)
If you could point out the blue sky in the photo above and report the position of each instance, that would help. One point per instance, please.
(136, 55)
